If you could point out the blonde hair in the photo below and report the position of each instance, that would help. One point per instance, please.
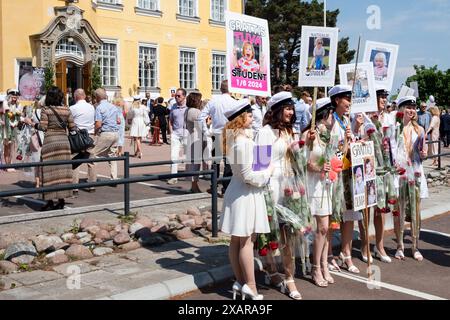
(117, 101)
(248, 44)
(382, 56)
(231, 130)
(434, 111)
(317, 41)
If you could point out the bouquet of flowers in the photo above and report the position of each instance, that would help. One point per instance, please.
(266, 242)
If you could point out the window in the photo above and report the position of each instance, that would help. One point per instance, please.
(108, 64)
(147, 67)
(187, 8)
(148, 4)
(68, 46)
(110, 1)
(218, 10)
(218, 70)
(113, 5)
(187, 69)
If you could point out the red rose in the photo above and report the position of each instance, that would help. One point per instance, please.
(387, 210)
(263, 252)
(396, 213)
(288, 192)
(383, 210)
(401, 171)
(370, 131)
(302, 191)
(392, 201)
(273, 245)
(417, 174)
(411, 183)
(19, 157)
(301, 143)
(399, 115)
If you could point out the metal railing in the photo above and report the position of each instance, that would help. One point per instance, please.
(126, 180)
(439, 154)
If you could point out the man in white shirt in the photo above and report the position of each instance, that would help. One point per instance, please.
(215, 109)
(84, 117)
(259, 109)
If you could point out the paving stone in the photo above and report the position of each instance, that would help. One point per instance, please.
(125, 268)
(83, 266)
(152, 292)
(29, 278)
(97, 276)
(22, 293)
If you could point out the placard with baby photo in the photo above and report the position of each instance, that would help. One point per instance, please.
(364, 98)
(318, 56)
(363, 175)
(248, 54)
(383, 58)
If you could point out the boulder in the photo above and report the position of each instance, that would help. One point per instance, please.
(80, 235)
(122, 238)
(125, 228)
(174, 225)
(145, 221)
(87, 222)
(62, 245)
(67, 236)
(77, 251)
(98, 241)
(6, 239)
(434, 174)
(148, 238)
(73, 241)
(135, 227)
(18, 249)
(6, 284)
(161, 228)
(106, 226)
(58, 259)
(86, 239)
(118, 228)
(207, 214)
(113, 233)
(93, 230)
(184, 217)
(23, 259)
(198, 221)
(103, 234)
(193, 211)
(184, 233)
(98, 252)
(189, 223)
(7, 267)
(46, 243)
(130, 246)
(172, 216)
(55, 253)
(209, 225)
(109, 244)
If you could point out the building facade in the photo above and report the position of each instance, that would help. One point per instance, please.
(139, 45)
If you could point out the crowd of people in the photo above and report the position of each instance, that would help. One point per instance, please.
(289, 176)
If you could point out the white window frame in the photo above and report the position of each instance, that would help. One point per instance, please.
(192, 50)
(17, 68)
(218, 53)
(105, 5)
(213, 21)
(116, 42)
(148, 12)
(156, 47)
(192, 19)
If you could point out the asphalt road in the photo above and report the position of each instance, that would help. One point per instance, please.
(399, 280)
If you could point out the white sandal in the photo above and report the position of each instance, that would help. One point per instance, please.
(352, 268)
(333, 266)
(399, 254)
(294, 294)
(417, 255)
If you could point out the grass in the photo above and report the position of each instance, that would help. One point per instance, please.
(2, 256)
(128, 218)
(75, 227)
(24, 267)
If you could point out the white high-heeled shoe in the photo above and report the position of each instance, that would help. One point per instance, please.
(352, 268)
(292, 294)
(246, 291)
(385, 259)
(237, 288)
(364, 258)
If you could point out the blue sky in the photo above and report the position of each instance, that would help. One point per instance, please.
(420, 27)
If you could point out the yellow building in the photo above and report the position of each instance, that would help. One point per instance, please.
(140, 45)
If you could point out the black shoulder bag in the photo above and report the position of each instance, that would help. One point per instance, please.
(79, 140)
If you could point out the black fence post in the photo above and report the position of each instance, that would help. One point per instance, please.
(439, 152)
(214, 200)
(126, 186)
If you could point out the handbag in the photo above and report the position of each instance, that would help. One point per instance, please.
(79, 139)
(35, 142)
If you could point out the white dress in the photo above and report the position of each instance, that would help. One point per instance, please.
(244, 207)
(268, 136)
(139, 122)
(319, 195)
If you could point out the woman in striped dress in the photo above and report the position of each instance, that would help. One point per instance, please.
(56, 147)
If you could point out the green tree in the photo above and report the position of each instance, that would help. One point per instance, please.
(286, 18)
(96, 77)
(49, 73)
(432, 81)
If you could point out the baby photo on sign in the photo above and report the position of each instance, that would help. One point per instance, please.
(361, 88)
(369, 168)
(358, 180)
(319, 53)
(371, 193)
(246, 54)
(380, 60)
(383, 59)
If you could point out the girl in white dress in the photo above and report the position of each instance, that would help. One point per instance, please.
(319, 188)
(413, 185)
(244, 208)
(278, 133)
(138, 116)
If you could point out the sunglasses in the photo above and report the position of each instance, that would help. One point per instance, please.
(178, 96)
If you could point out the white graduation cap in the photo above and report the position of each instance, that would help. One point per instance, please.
(280, 99)
(406, 100)
(237, 109)
(340, 89)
